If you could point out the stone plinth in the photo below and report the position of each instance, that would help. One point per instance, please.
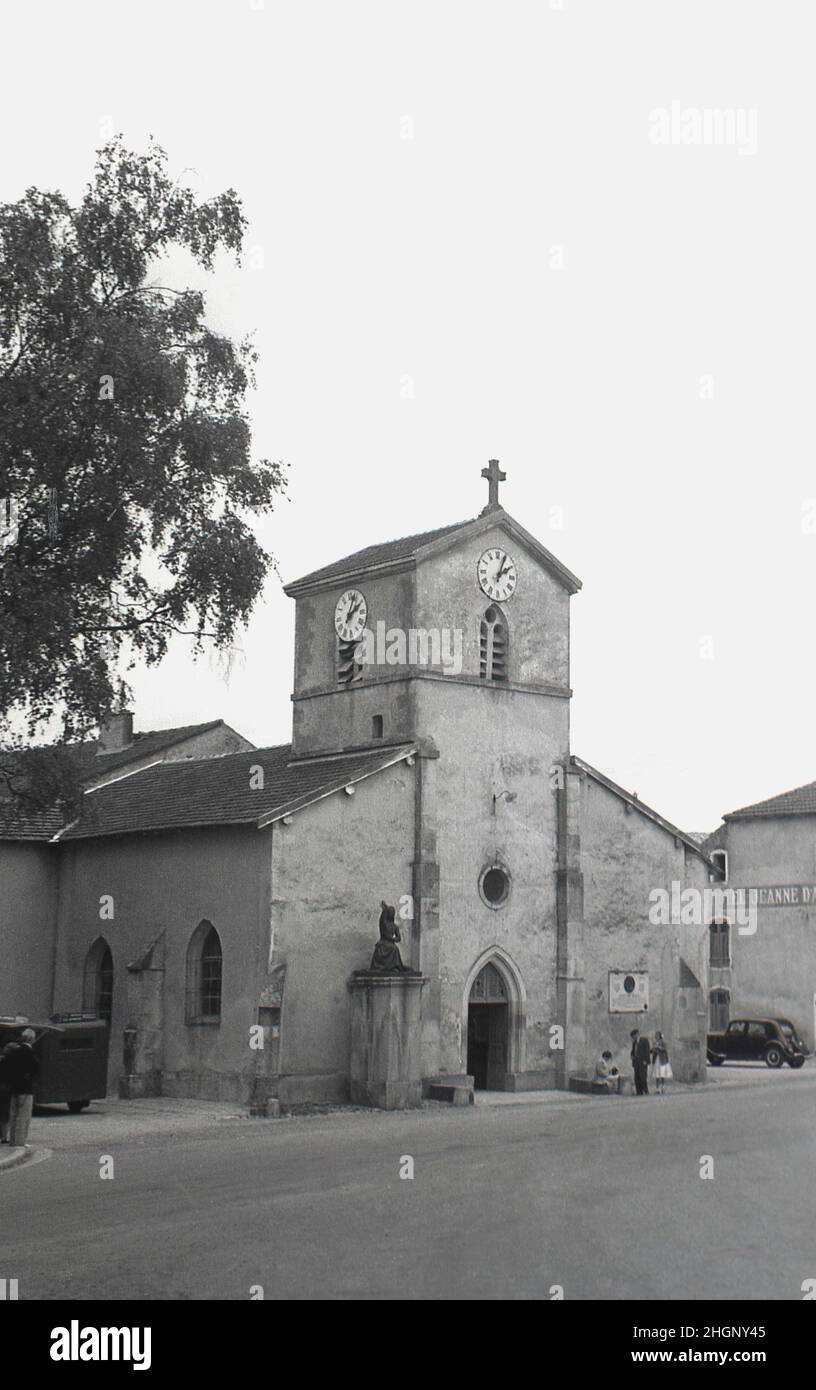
(385, 1069)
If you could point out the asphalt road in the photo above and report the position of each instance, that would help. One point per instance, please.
(601, 1197)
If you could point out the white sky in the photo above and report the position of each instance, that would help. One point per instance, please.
(430, 257)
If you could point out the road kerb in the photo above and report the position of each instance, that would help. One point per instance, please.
(10, 1158)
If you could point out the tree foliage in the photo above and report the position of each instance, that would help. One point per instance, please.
(125, 447)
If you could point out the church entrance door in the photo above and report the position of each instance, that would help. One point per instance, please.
(488, 1018)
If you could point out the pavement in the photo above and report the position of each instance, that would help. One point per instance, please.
(10, 1157)
(508, 1199)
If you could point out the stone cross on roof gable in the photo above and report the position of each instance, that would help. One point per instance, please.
(494, 476)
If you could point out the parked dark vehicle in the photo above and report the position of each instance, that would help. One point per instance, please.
(769, 1040)
(73, 1054)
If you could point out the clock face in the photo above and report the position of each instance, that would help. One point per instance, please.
(350, 615)
(497, 574)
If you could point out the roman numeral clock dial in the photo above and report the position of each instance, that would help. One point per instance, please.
(497, 574)
(350, 616)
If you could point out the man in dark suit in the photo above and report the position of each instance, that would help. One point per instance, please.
(20, 1070)
(641, 1056)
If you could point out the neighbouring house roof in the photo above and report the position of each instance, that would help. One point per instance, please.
(408, 550)
(222, 790)
(89, 766)
(638, 805)
(699, 836)
(92, 763)
(801, 801)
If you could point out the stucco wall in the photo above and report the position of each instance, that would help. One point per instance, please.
(624, 856)
(28, 907)
(169, 883)
(331, 867)
(496, 742)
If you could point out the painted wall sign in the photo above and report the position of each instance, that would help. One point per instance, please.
(786, 895)
(628, 991)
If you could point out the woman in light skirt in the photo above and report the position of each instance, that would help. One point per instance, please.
(661, 1066)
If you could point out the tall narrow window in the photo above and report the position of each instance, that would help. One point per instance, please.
(377, 726)
(719, 944)
(493, 645)
(97, 994)
(719, 1006)
(204, 975)
(719, 857)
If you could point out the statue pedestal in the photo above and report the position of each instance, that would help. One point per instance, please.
(386, 1040)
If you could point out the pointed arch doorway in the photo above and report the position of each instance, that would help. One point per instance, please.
(488, 1030)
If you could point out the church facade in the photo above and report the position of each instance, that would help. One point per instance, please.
(231, 897)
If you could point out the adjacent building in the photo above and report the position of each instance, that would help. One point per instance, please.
(767, 854)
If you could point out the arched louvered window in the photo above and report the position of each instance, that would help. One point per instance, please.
(493, 645)
(204, 975)
(349, 667)
(97, 994)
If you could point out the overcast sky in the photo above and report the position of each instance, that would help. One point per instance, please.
(490, 199)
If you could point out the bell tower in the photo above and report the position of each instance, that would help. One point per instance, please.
(394, 638)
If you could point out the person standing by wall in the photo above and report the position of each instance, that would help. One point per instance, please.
(21, 1068)
(641, 1055)
(660, 1062)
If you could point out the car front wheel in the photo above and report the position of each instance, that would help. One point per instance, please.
(774, 1057)
(714, 1060)
(796, 1062)
(76, 1105)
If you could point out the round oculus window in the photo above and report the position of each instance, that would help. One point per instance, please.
(495, 885)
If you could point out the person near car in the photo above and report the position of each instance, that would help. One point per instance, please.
(20, 1070)
(661, 1066)
(641, 1056)
(5, 1091)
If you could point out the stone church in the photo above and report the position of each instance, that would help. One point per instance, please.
(215, 899)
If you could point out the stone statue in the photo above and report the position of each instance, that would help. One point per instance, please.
(386, 959)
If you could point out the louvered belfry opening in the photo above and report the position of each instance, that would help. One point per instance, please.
(348, 668)
(493, 646)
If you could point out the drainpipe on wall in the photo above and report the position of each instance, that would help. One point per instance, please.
(425, 888)
(569, 912)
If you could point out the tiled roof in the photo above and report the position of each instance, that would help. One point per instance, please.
(799, 802)
(30, 825)
(393, 553)
(387, 552)
(88, 766)
(219, 791)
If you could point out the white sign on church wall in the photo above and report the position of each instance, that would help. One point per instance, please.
(628, 991)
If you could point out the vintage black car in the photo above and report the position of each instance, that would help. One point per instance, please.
(769, 1040)
(72, 1050)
